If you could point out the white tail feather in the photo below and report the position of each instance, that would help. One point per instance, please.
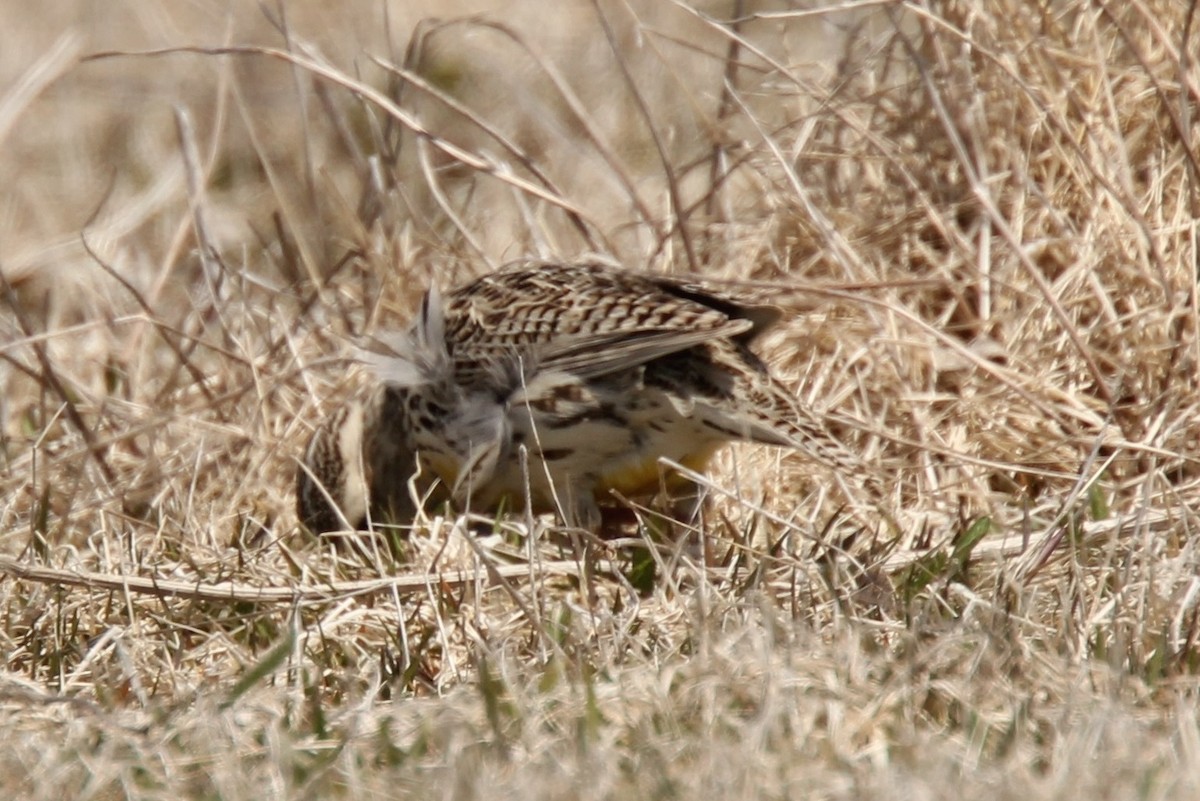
(416, 358)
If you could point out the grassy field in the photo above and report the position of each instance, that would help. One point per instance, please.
(980, 218)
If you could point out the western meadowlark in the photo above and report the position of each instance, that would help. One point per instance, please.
(555, 386)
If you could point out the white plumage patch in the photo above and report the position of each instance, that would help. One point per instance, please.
(418, 357)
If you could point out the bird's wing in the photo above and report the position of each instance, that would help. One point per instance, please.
(602, 353)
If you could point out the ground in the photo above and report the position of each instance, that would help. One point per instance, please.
(979, 219)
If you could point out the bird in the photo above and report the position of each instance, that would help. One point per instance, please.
(553, 387)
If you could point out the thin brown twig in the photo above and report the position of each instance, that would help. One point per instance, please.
(239, 592)
(677, 205)
(49, 376)
(327, 72)
(409, 76)
(724, 106)
(183, 359)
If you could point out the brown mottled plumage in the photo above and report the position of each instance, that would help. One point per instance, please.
(558, 384)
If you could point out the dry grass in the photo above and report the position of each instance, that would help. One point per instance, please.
(983, 217)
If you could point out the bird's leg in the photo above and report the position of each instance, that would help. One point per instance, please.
(615, 521)
(582, 515)
(686, 505)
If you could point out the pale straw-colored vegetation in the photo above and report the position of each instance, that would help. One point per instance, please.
(981, 218)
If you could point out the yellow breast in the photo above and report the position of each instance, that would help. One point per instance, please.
(647, 476)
